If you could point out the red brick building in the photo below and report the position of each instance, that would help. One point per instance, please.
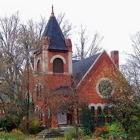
(52, 64)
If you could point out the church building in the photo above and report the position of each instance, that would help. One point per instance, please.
(52, 68)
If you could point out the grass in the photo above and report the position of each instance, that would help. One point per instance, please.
(12, 136)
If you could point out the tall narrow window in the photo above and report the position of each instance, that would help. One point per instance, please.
(38, 67)
(101, 118)
(40, 115)
(39, 92)
(99, 110)
(57, 66)
(93, 110)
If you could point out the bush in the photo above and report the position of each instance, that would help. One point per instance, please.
(34, 126)
(115, 131)
(67, 135)
(116, 127)
(87, 119)
(71, 133)
(9, 124)
(134, 130)
(15, 131)
(101, 130)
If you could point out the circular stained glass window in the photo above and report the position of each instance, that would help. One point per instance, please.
(104, 87)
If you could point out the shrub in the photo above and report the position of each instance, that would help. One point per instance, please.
(115, 127)
(22, 125)
(134, 130)
(9, 124)
(34, 126)
(115, 131)
(101, 130)
(71, 133)
(67, 135)
(15, 131)
(87, 119)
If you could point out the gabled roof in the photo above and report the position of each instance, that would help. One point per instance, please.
(81, 67)
(54, 32)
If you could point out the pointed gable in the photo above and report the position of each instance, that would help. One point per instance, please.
(82, 67)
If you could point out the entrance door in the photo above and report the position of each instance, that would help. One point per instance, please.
(62, 118)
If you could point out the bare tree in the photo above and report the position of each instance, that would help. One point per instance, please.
(11, 62)
(66, 98)
(133, 63)
(65, 25)
(83, 48)
(16, 46)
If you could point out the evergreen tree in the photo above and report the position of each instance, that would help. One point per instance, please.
(87, 119)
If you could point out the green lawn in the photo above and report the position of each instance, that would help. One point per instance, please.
(12, 136)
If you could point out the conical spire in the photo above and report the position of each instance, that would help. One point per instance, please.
(55, 34)
(52, 14)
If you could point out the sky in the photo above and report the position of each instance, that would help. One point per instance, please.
(115, 20)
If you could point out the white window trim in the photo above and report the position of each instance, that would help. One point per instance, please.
(58, 56)
(97, 89)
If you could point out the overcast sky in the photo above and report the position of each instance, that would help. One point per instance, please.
(115, 20)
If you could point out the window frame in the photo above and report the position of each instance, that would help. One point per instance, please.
(58, 66)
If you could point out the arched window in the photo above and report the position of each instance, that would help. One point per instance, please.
(39, 92)
(57, 66)
(99, 110)
(38, 66)
(93, 110)
(101, 118)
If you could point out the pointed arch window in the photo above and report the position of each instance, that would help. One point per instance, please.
(38, 66)
(58, 66)
(39, 92)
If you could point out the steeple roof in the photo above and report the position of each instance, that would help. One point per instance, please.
(54, 32)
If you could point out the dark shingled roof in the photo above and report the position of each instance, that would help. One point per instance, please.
(82, 66)
(53, 31)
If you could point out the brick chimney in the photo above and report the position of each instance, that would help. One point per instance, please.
(115, 57)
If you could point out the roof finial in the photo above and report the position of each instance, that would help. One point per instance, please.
(52, 14)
